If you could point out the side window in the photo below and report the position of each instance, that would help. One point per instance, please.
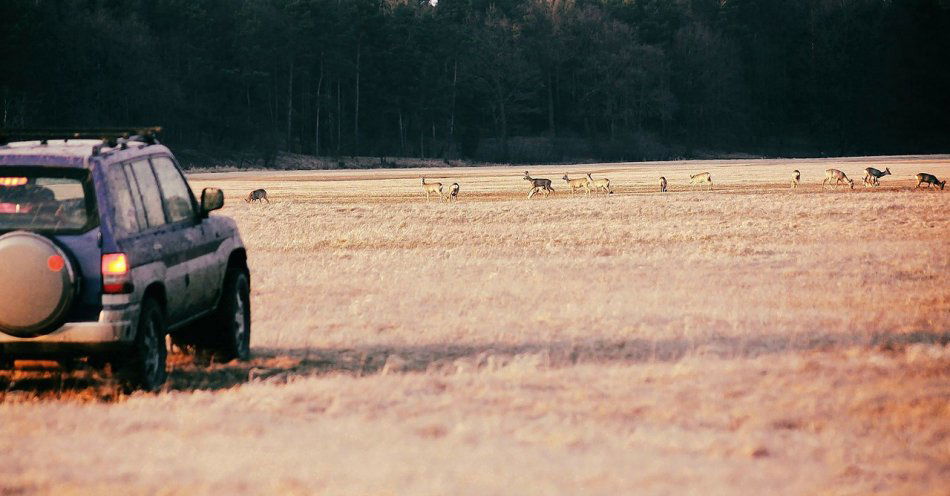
(151, 197)
(174, 190)
(136, 196)
(124, 217)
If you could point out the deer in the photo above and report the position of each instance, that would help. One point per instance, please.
(430, 188)
(576, 184)
(538, 185)
(454, 192)
(838, 177)
(256, 195)
(796, 178)
(931, 181)
(871, 176)
(701, 178)
(662, 184)
(598, 184)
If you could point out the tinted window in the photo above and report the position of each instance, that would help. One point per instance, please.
(124, 215)
(174, 190)
(45, 200)
(148, 187)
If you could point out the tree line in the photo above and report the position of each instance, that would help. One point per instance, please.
(495, 80)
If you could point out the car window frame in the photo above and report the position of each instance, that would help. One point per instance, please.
(89, 190)
(194, 219)
(120, 170)
(136, 193)
(128, 163)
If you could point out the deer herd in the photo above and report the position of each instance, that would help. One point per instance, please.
(588, 184)
(833, 178)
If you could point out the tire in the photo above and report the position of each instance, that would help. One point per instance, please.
(232, 323)
(144, 368)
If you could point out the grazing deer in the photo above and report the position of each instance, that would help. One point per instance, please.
(597, 184)
(931, 181)
(796, 178)
(871, 176)
(256, 195)
(538, 185)
(701, 178)
(454, 192)
(576, 184)
(430, 188)
(838, 177)
(662, 184)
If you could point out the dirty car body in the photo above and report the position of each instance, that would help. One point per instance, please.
(124, 231)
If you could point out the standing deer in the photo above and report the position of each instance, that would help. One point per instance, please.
(838, 177)
(430, 188)
(538, 185)
(931, 181)
(598, 184)
(701, 178)
(454, 192)
(256, 195)
(662, 184)
(576, 184)
(796, 178)
(871, 176)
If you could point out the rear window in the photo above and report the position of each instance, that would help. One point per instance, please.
(47, 200)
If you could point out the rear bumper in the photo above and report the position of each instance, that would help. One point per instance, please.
(114, 328)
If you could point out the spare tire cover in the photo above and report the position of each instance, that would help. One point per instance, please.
(37, 284)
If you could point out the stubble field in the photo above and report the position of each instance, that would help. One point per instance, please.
(749, 339)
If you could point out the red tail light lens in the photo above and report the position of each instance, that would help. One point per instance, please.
(115, 274)
(115, 264)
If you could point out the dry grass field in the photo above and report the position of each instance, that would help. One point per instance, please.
(749, 339)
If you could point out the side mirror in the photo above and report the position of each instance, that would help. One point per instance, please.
(211, 199)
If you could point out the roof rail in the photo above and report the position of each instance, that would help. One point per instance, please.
(109, 135)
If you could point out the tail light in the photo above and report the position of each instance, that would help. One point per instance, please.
(115, 274)
(12, 181)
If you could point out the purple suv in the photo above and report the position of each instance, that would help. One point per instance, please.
(104, 250)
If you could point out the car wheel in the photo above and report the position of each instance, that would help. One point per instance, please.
(144, 367)
(233, 320)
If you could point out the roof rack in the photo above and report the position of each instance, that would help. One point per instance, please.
(110, 136)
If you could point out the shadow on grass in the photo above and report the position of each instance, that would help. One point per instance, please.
(273, 365)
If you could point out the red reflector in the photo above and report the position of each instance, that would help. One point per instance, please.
(116, 288)
(12, 181)
(55, 263)
(114, 264)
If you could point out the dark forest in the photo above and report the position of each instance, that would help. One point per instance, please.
(504, 80)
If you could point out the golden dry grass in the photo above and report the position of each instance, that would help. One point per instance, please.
(746, 340)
